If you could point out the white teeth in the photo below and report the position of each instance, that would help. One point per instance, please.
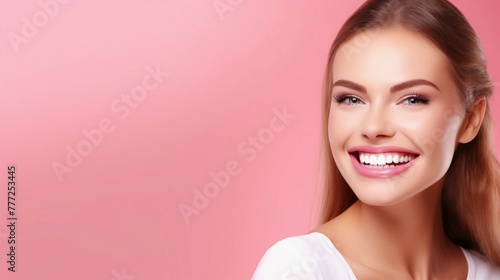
(381, 160)
(388, 159)
(395, 159)
(384, 160)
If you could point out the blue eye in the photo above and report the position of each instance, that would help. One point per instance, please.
(347, 99)
(415, 100)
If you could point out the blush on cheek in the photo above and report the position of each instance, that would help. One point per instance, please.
(443, 136)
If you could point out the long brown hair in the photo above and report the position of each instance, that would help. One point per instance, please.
(470, 199)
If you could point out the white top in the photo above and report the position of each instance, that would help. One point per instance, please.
(313, 256)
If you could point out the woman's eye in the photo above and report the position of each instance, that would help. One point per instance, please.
(415, 100)
(348, 100)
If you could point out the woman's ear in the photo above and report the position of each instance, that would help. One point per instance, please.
(473, 120)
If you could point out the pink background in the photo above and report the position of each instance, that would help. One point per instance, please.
(116, 214)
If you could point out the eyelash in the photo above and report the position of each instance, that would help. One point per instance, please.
(420, 98)
(342, 97)
(417, 97)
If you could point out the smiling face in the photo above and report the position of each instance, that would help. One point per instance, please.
(395, 117)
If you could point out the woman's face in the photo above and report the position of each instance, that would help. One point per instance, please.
(395, 115)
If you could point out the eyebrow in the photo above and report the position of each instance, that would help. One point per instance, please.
(395, 88)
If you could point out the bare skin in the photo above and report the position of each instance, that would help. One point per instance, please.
(395, 229)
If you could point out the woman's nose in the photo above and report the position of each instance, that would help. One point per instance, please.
(378, 123)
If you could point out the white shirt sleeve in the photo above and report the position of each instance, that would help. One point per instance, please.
(302, 257)
(481, 268)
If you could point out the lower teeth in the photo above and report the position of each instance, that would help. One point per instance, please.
(380, 166)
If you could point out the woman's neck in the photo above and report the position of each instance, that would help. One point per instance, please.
(408, 236)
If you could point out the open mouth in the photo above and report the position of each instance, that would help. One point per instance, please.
(383, 160)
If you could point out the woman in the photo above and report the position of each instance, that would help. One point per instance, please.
(412, 189)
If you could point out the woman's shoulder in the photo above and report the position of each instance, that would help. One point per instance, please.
(480, 267)
(308, 256)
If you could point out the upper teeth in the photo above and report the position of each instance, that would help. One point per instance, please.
(383, 159)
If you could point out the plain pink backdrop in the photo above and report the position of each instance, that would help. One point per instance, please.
(116, 213)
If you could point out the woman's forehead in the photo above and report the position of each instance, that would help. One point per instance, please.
(391, 55)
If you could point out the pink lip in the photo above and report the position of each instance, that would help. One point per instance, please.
(380, 172)
(381, 149)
